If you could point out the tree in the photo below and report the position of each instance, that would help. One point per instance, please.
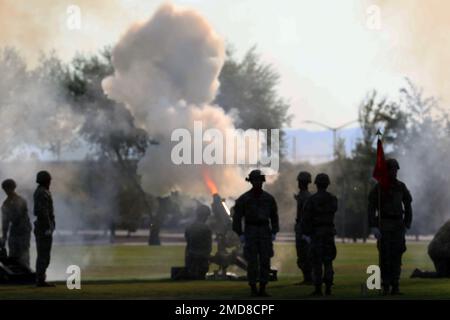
(248, 88)
(109, 127)
(422, 153)
(354, 175)
(415, 131)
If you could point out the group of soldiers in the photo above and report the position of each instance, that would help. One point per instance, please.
(16, 225)
(314, 228)
(256, 222)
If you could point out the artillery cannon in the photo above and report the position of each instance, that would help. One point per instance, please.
(11, 271)
(229, 249)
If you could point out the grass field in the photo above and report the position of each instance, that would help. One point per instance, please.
(142, 272)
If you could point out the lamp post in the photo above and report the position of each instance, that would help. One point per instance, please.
(335, 130)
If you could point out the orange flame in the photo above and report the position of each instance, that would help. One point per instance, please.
(209, 182)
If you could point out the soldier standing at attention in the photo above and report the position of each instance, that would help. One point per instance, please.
(302, 246)
(43, 226)
(389, 225)
(318, 228)
(199, 245)
(259, 211)
(16, 224)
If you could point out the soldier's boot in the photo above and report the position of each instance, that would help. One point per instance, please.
(395, 291)
(253, 290)
(328, 289)
(318, 291)
(40, 282)
(45, 285)
(307, 278)
(416, 273)
(262, 290)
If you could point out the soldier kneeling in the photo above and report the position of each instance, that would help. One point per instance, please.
(16, 225)
(199, 245)
(439, 252)
(318, 228)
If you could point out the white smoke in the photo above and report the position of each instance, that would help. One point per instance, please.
(166, 72)
(33, 110)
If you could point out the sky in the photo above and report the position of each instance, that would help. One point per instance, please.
(329, 54)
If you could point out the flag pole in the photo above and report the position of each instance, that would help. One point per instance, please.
(379, 136)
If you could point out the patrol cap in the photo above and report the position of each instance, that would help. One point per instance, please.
(322, 179)
(392, 164)
(9, 184)
(304, 176)
(255, 175)
(43, 177)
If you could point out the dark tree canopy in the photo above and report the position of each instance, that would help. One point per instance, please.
(250, 87)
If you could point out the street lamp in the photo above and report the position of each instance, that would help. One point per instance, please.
(335, 130)
(332, 129)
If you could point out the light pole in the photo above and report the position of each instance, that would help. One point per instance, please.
(335, 130)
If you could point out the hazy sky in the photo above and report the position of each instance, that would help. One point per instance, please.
(329, 53)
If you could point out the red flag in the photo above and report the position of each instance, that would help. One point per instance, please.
(380, 172)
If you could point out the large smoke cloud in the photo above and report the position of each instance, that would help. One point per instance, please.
(166, 72)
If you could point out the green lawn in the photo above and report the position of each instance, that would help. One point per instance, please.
(127, 271)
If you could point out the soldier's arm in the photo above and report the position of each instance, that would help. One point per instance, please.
(335, 204)
(41, 210)
(274, 217)
(23, 208)
(5, 224)
(237, 217)
(52, 218)
(372, 207)
(307, 218)
(407, 199)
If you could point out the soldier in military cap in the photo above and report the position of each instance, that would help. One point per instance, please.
(318, 228)
(199, 245)
(390, 215)
(43, 226)
(16, 224)
(259, 210)
(302, 246)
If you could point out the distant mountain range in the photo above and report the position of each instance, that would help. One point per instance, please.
(317, 146)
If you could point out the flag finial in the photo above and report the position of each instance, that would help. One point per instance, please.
(379, 134)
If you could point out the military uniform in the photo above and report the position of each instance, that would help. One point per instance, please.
(43, 229)
(318, 224)
(439, 253)
(259, 211)
(199, 245)
(302, 246)
(393, 217)
(15, 220)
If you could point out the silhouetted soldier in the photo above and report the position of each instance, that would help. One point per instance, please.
(259, 211)
(43, 226)
(302, 246)
(389, 225)
(318, 228)
(16, 224)
(199, 245)
(439, 252)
